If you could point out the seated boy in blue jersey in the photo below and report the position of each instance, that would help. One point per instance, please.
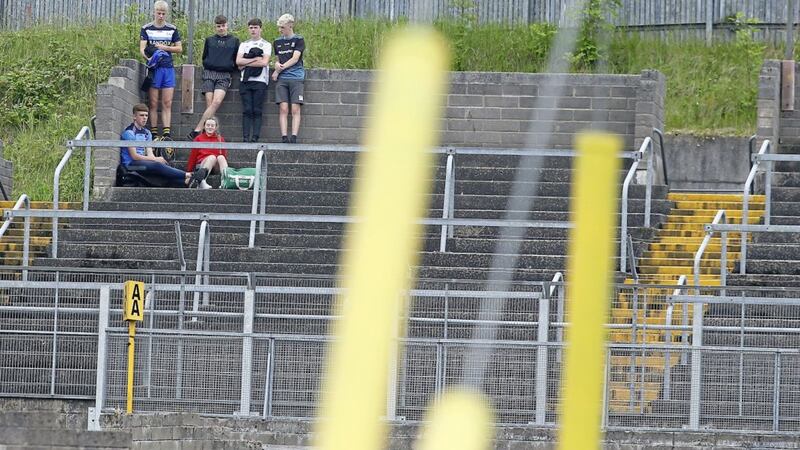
(143, 161)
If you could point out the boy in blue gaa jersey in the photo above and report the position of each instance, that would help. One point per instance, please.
(142, 160)
(154, 36)
(289, 75)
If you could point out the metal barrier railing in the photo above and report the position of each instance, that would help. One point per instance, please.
(763, 151)
(22, 201)
(647, 144)
(258, 368)
(698, 256)
(57, 182)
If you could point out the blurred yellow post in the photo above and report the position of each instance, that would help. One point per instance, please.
(383, 244)
(591, 251)
(461, 421)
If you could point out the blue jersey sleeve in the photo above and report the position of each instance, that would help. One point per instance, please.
(128, 135)
(176, 36)
(300, 45)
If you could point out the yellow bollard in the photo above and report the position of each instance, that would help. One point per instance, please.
(390, 197)
(591, 248)
(132, 312)
(461, 421)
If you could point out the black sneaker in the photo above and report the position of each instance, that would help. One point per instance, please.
(293, 139)
(197, 176)
(284, 139)
(193, 135)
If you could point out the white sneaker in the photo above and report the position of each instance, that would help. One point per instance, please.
(204, 185)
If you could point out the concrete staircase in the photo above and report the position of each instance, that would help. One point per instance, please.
(636, 381)
(12, 243)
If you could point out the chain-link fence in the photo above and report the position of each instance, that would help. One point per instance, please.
(721, 358)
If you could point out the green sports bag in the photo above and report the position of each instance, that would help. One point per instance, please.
(243, 179)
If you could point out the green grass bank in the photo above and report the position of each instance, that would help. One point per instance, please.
(48, 77)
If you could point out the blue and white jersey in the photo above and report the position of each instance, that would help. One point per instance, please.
(167, 34)
(131, 133)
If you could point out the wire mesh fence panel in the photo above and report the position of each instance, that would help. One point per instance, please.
(297, 377)
(307, 313)
(417, 378)
(25, 364)
(646, 388)
(789, 398)
(507, 379)
(201, 374)
(738, 390)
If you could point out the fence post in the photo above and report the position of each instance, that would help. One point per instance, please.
(247, 351)
(268, 379)
(100, 375)
(776, 393)
(53, 363)
(697, 359)
(709, 21)
(543, 328)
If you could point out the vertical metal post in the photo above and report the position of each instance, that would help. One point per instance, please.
(452, 211)
(100, 375)
(648, 198)
(87, 176)
(543, 327)
(26, 245)
(697, 360)
(263, 206)
(790, 17)
(776, 393)
(199, 264)
(55, 340)
(723, 261)
(709, 21)
(268, 380)
(247, 351)
(448, 180)
(438, 382)
(560, 320)
(190, 49)
(207, 266)
(256, 191)
(150, 298)
(606, 386)
(768, 193)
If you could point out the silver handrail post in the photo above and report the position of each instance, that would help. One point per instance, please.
(765, 148)
(649, 186)
(87, 175)
(247, 352)
(720, 216)
(263, 207)
(57, 181)
(256, 191)
(624, 209)
(100, 375)
(446, 206)
(668, 324)
(542, 330)
(201, 246)
(22, 200)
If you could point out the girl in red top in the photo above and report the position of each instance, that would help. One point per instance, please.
(211, 159)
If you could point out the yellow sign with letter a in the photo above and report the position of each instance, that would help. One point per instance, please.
(134, 301)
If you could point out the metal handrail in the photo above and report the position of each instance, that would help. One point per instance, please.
(765, 148)
(647, 143)
(632, 257)
(257, 188)
(684, 335)
(23, 200)
(660, 135)
(449, 199)
(179, 244)
(720, 216)
(203, 264)
(56, 185)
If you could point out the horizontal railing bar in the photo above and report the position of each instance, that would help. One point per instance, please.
(774, 157)
(489, 151)
(776, 301)
(753, 228)
(247, 217)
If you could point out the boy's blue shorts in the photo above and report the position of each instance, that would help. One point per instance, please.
(164, 77)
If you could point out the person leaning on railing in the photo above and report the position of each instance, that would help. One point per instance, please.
(142, 160)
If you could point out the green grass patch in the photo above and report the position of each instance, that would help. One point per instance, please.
(48, 77)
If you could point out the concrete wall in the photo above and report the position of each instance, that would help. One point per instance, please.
(482, 109)
(781, 127)
(706, 163)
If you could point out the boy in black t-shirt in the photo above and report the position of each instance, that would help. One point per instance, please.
(219, 62)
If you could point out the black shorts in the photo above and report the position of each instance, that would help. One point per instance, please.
(213, 80)
(289, 91)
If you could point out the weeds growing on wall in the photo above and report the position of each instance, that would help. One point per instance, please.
(49, 75)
